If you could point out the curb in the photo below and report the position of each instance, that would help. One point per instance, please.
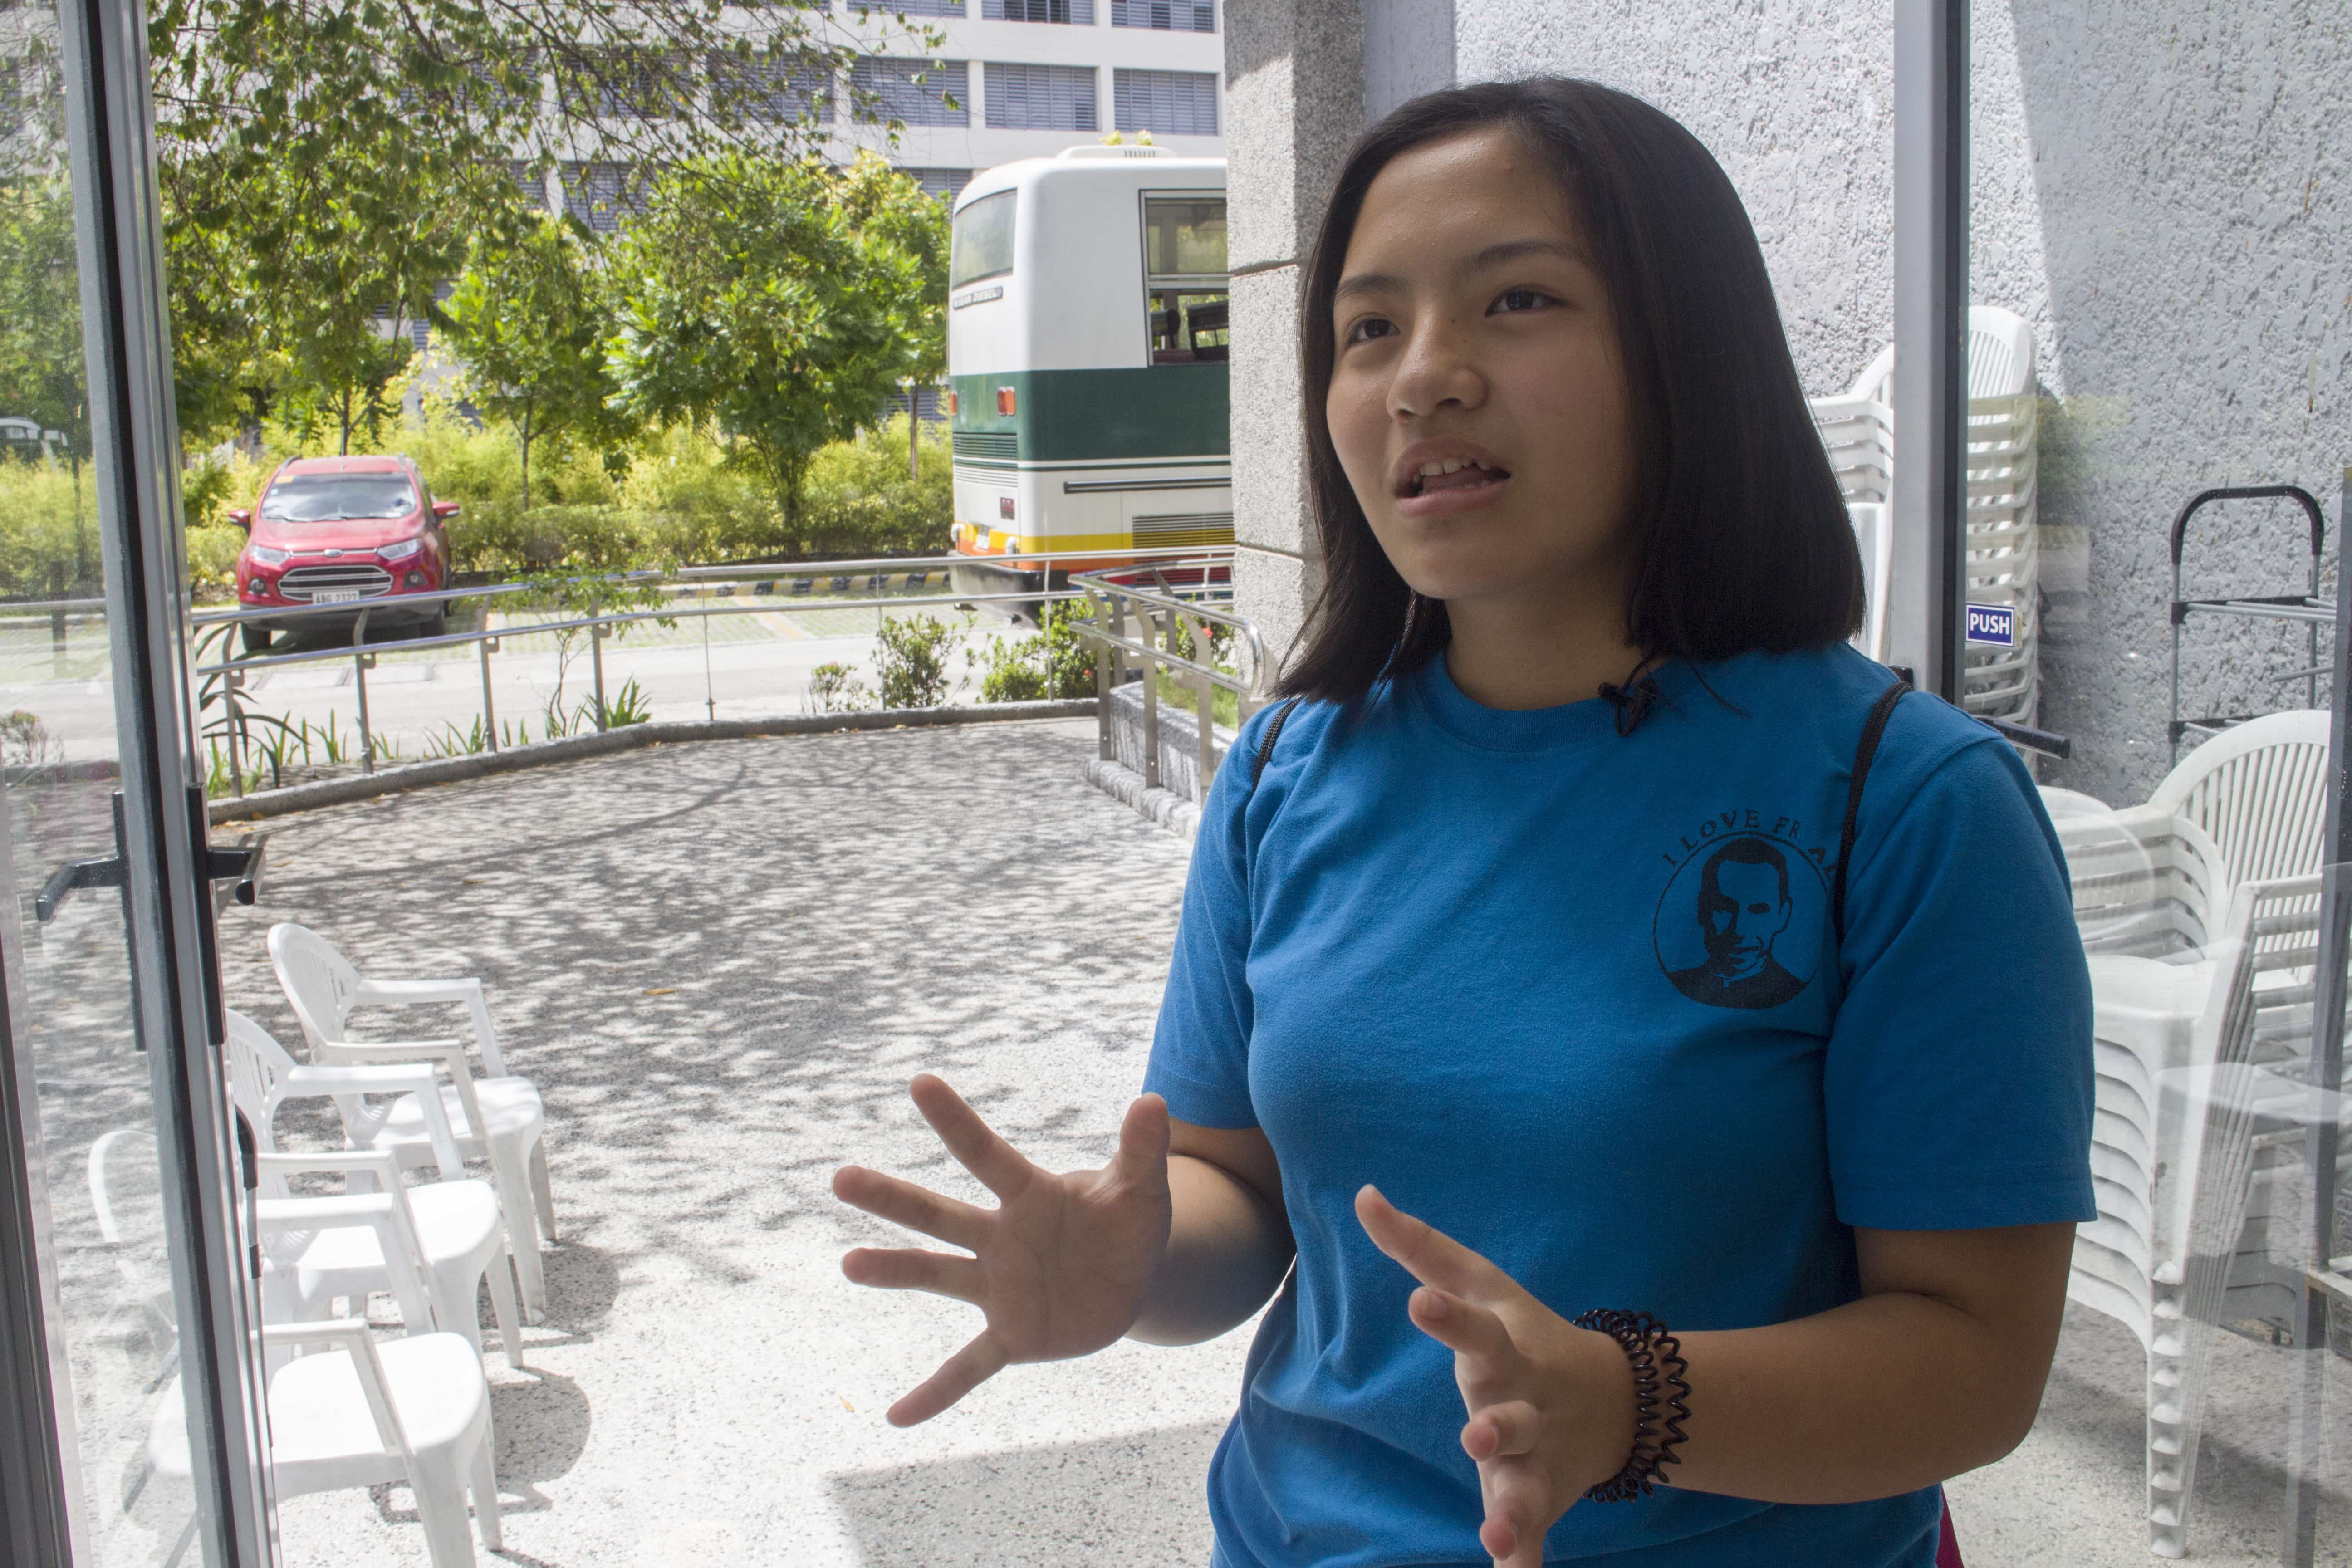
(1163, 807)
(540, 754)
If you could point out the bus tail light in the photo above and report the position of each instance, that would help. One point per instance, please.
(952, 403)
(1004, 400)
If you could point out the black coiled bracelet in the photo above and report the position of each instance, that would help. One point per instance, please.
(1660, 1400)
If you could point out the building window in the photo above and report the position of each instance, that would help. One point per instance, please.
(603, 194)
(912, 92)
(767, 89)
(1184, 278)
(1041, 97)
(1075, 12)
(1166, 103)
(527, 180)
(635, 84)
(523, 97)
(944, 184)
(867, 8)
(1168, 15)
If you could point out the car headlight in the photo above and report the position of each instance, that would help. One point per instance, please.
(265, 556)
(401, 550)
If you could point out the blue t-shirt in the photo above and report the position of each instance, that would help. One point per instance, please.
(1574, 998)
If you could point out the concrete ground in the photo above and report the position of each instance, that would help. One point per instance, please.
(720, 962)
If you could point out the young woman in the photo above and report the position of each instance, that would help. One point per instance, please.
(1597, 938)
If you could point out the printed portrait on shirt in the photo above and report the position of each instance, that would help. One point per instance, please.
(1740, 923)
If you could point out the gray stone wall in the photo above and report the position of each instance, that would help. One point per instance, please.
(2155, 187)
(1790, 95)
(1294, 101)
(2188, 176)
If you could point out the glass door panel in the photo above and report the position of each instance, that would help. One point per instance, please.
(116, 1135)
(2155, 446)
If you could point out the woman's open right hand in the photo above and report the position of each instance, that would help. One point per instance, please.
(1059, 1267)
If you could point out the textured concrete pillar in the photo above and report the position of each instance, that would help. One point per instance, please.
(1408, 50)
(1294, 103)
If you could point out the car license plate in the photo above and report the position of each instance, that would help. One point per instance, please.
(335, 596)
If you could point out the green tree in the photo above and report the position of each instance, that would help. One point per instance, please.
(750, 294)
(42, 369)
(322, 160)
(525, 318)
(41, 365)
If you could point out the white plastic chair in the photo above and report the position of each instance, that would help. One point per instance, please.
(452, 1225)
(359, 1412)
(498, 1117)
(1857, 428)
(1874, 536)
(2257, 789)
(2260, 788)
(140, 1263)
(2182, 1098)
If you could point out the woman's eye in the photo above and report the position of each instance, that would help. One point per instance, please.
(1521, 300)
(1370, 327)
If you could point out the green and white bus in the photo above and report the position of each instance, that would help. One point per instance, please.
(1087, 345)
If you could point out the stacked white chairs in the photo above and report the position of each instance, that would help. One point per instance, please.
(346, 1410)
(2003, 462)
(1857, 429)
(451, 1226)
(497, 1117)
(2198, 910)
(1873, 535)
(2183, 1118)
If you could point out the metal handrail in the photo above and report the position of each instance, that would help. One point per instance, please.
(364, 657)
(695, 580)
(1218, 553)
(1158, 615)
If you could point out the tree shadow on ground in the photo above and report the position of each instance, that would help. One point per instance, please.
(1135, 1500)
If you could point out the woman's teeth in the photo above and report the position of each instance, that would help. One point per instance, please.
(1460, 471)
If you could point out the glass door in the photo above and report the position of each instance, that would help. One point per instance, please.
(125, 1431)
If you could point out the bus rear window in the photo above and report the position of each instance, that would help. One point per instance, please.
(1184, 278)
(982, 243)
(1184, 236)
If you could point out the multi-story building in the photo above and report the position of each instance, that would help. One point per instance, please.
(971, 84)
(1022, 79)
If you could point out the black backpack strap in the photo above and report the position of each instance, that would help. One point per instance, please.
(1265, 741)
(1873, 728)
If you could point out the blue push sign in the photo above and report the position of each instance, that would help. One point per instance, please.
(1995, 624)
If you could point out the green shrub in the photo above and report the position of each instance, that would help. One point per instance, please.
(1069, 657)
(48, 530)
(212, 555)
(1010, 671)
(912, 658)
(835, 689)
(673, 495)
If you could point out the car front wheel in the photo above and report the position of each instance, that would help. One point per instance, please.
(256, 638)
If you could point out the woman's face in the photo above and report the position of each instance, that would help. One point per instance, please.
(1477, 401)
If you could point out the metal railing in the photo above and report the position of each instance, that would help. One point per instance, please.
(1157, 614)
(695, 582)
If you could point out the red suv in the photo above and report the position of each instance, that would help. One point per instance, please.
(343, 531)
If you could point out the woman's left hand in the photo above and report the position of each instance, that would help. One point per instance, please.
(1551, 1405)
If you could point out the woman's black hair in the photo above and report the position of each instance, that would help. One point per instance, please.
(1743, 540)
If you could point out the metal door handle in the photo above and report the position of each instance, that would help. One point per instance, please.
(106, 871)
(243, 863)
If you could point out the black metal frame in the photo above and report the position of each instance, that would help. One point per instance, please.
(1929, 385)
(2307, 1423)
(2305, 606)
(165, 863)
